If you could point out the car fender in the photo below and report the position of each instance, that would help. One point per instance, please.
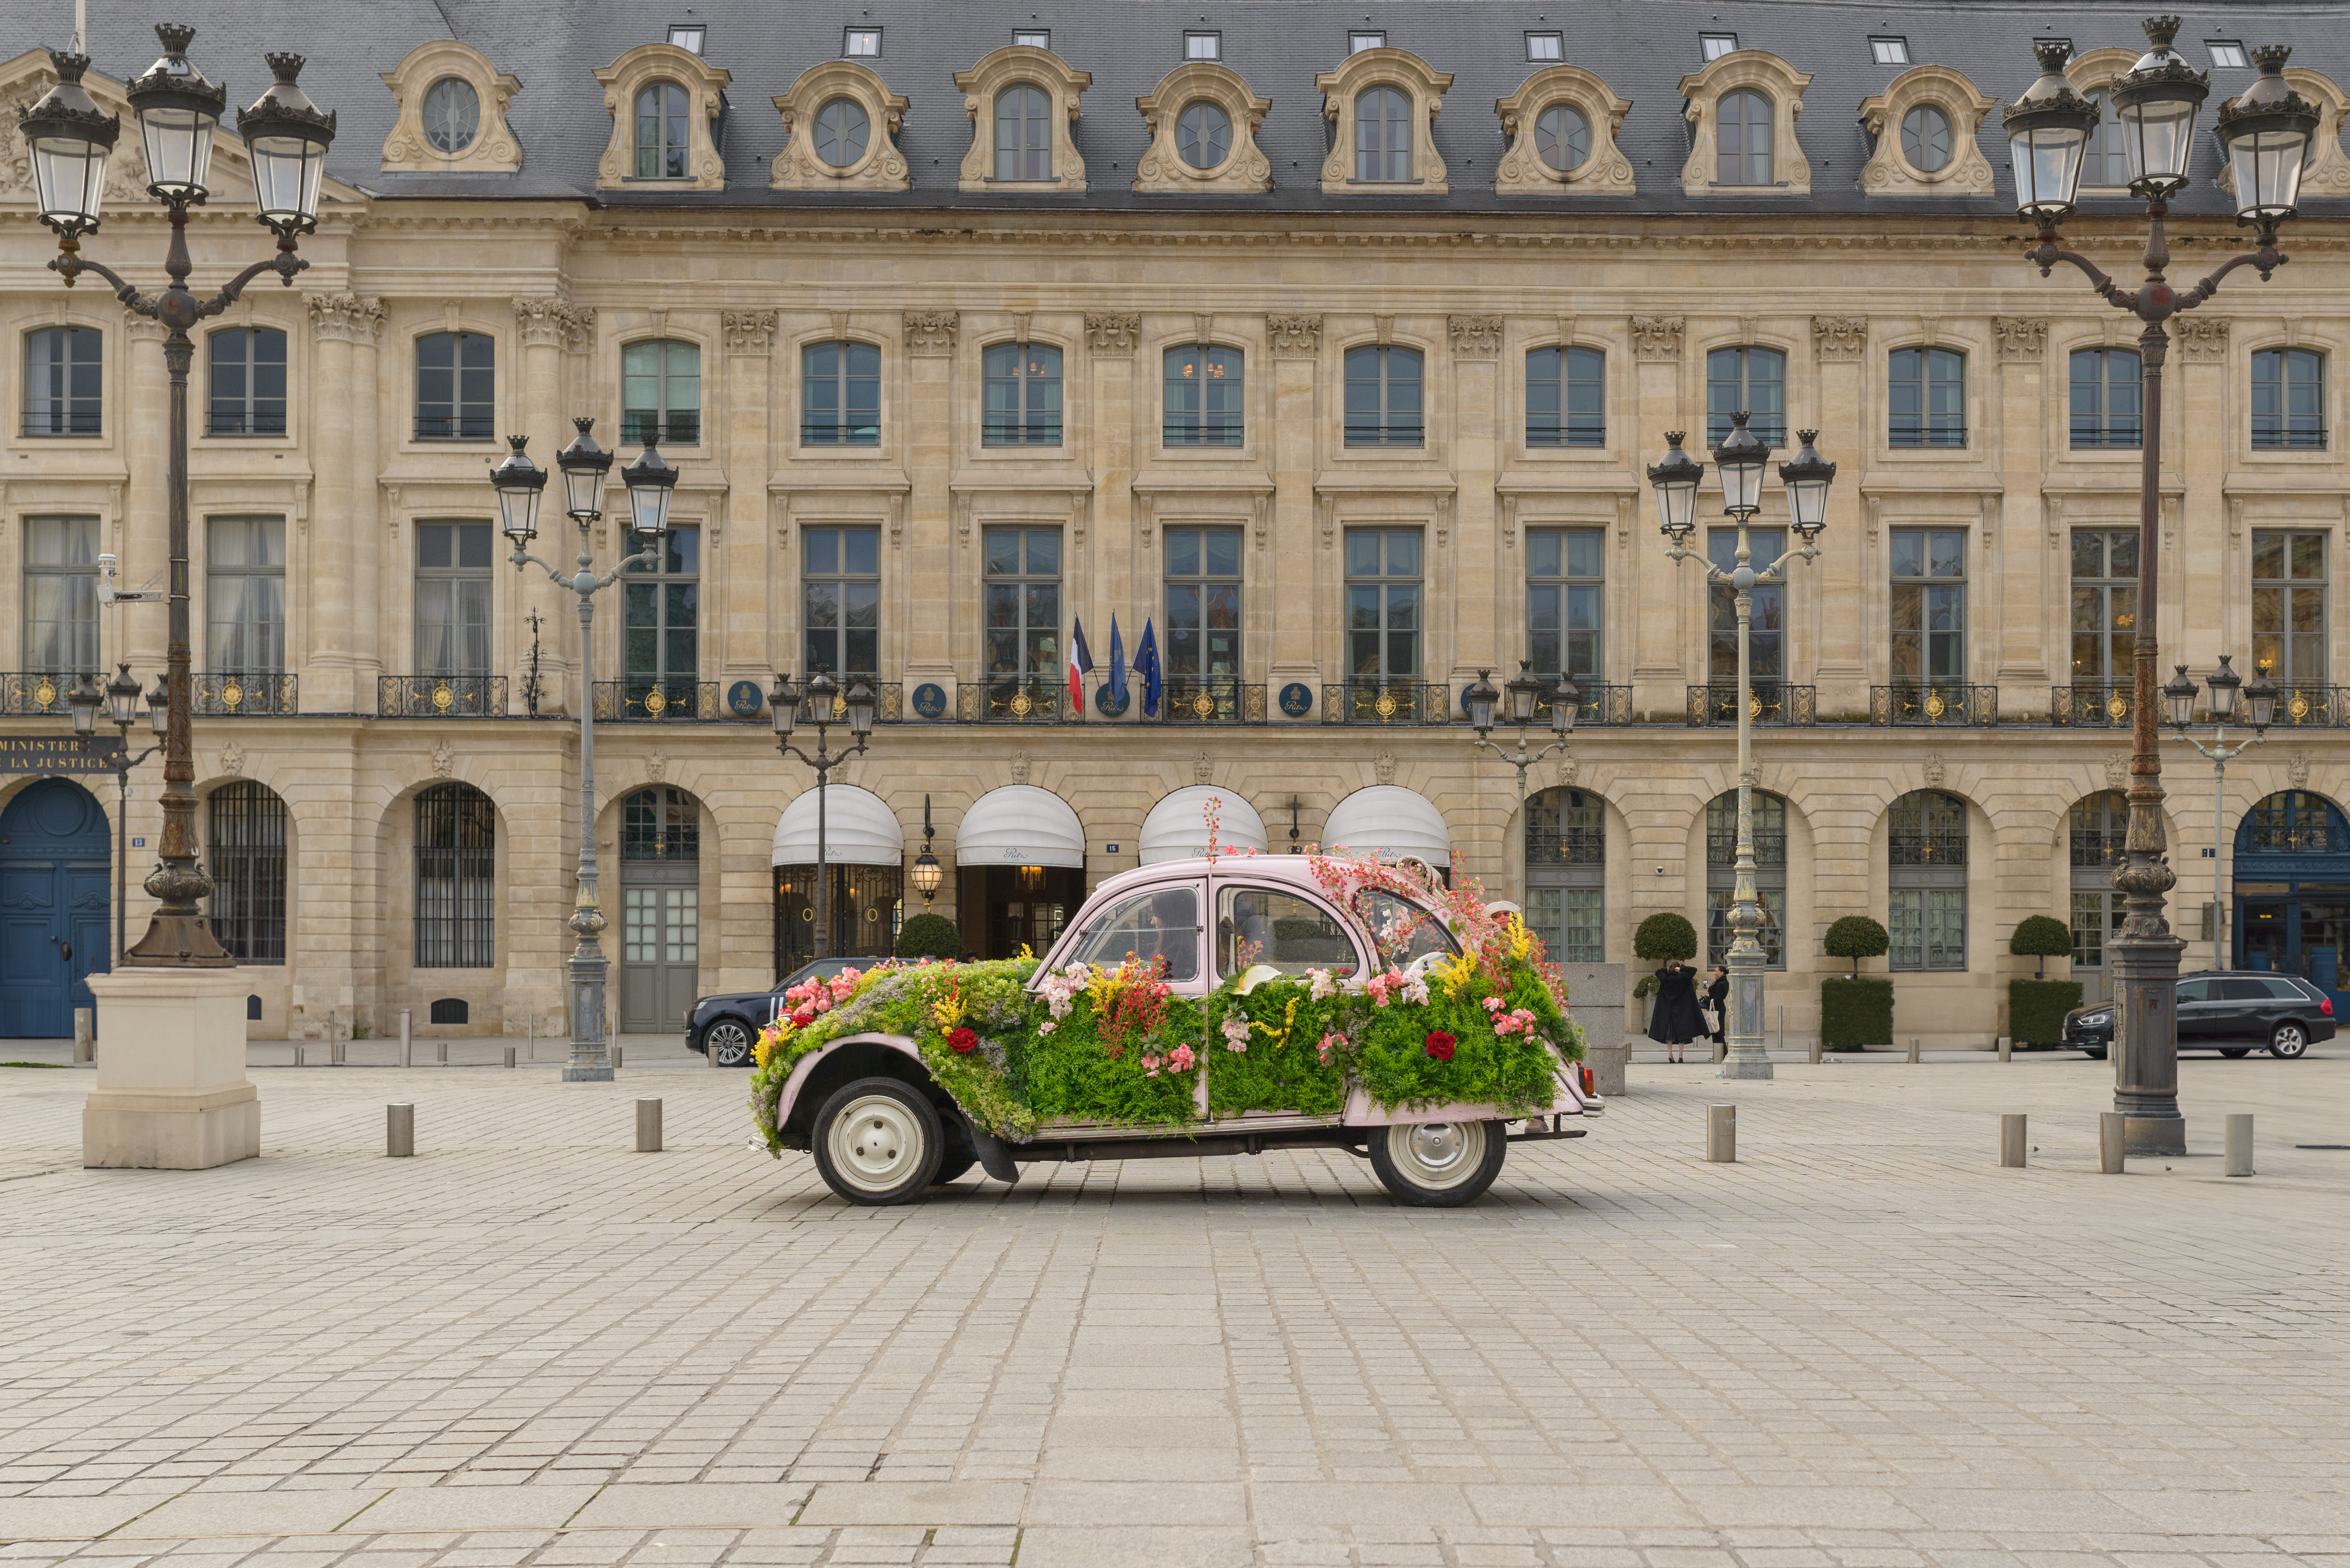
(1567, 1100)
(805, 1066)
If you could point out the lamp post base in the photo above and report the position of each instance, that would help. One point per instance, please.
(171, 1092)
(1746, 1064)
(587, 1075)
(2154, 1134)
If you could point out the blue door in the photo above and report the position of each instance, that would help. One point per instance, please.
(55, 865)
(2293, 890)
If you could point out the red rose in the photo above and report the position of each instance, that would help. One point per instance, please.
(1440, 1044)
(962, 1039)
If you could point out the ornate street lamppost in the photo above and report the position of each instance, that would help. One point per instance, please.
(71, 139)
(518, 481)
(1741, 459)
(2264, 133)
(824, 699)
(2230, 696)
(120, 701)
(927, 872)
(1519, 697)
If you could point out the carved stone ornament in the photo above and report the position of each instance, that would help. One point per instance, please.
(1294, 337)
(1113, 336)
(1202, 770)
(346, 318)
(444, 758)
(2201, 337)
(1341, 89)
(551, 320)
(930, 332)
(231, 760)
(1020, 767)
(1839, 336)
(1476, 336)
(803, 164)
(491, 148)
(1936, 770)
(2296, 769)
(1965, 171)
(705, 88)
(1383, 766)
(2118, 770)
(1523, 172)
(1782, 85)
(1021, 65)
(1656, 337)
(656, 768)
(2021, 338)
(748, 331)
(1164, 170)
(1569, 770)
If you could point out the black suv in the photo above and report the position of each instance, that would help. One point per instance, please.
(2232, 1012)
(729, 1025)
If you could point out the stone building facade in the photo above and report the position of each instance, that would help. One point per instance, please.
(887, 347)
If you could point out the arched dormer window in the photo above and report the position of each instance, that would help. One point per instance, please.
(1203, 122)
(1744, 107)
(1561, 126)
(1023, 133)
(1742, 144)
(452, 112)
(1926, 125)
(661, 149)
(1383, 103)
(1022, 101)
(664, 101)
(840, 127)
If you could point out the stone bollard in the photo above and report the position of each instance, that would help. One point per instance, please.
(84, 1036)
(616, 1058)
(405, 1060)
(399, 1131)
(1607, 1063)
(509, 1055)
(709, 1057)
(2239, 1143)
(1721, 1134)
(1914, 1057)
(2010, 1140)
(334, 1058)
(648, 1127)
(2007, 1048)
(441, 1053)
(2111, 1136)
(1815, 1050)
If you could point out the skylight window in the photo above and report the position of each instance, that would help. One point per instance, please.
(686, 37)
(1204, 45)
(2227, 54)
(1545, 47)
(1718, 43)
(1889, 51)
(1032, 38)
(861, 44)
(1357, 42)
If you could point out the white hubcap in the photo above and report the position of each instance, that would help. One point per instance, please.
(1438, 1154)
(875, 1142)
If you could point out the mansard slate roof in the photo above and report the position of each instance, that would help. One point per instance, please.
(1642, 48)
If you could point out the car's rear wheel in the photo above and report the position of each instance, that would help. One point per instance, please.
(728, 1041)
(2290, 1042)
(878, 1141)
(1437, 1165)
(2235, 1053)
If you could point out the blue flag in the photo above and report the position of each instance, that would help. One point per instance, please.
(1117, 665)
(1146, 664)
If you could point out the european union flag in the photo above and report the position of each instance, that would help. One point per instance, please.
(1146, 664)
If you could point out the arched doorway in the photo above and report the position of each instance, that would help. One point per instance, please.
(2098, 831)
(1566, 874)
(2291, 888)
(1925, 882)
(661, 908)
(1769, 875)
(864, 853)
(55, 858)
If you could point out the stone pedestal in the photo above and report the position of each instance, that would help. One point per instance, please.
(1594, 995)
(172, 1091)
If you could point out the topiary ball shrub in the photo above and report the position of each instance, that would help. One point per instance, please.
(2041, 937)
(928, 936)
(1666, 936)
(1857, 937)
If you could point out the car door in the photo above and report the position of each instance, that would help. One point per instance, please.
(1282, 928)
(1159, 922)
(2243, 1010)
(2198, 1010)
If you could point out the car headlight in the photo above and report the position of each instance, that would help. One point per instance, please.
(2096, 1020)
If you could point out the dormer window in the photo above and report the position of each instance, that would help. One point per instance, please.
(1742, 139)
(1383, 137)
(452, 112)
(840, 124)
(1384, 103)
(1716, 45)
(1546, 48)
(1889, 51)
(861, 44)
(1742, 109)
(452, 115)
(1023, 133)
(1032, 38)
(660, 132)
(1357, 42)
(1561, 125)
(1204, 45)
(1202, 120)
(1023, 100)
(687, 36)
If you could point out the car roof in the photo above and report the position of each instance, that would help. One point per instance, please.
(1294, 870)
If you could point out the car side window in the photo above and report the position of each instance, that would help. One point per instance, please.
(1264, 925)
(1401, 931)
(2194, 991)
(2247, 990)
(1163, 923)
(2285, 990)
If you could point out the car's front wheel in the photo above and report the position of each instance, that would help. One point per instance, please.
(2093, 1053)
(1437, 1165)
(2290, 1042)
(878, 1141)
(2235, 1053)
(728, 1041)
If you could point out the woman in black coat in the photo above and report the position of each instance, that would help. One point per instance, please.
(1675, 1023)
(1717, 999)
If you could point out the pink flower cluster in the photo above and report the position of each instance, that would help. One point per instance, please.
(1516, 1021)
(1333, 1041)
(806, 1001)
(1236, 1031)
(1060, 987)
(1179, 1060)
(1319, 985)
(1397, 986)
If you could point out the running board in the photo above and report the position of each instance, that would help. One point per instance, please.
(1074, 1150)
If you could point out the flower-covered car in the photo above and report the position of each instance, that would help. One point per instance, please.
(1214, 1006)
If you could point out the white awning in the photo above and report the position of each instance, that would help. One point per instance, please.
(1389, 819)
(860, 829)
(1177, 827)
(1020, 824)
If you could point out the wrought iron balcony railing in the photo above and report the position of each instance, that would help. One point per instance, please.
(261, 693)
(1574, 847)
(1385, 702)
(41, 691)
(1933, 702)
(642, 700)
(2307, 707)
(1012, 699)
(1770, 847)
(2090, 706)
(441, 697)
(1769, 703)
(1601, 705)
(1191, 699)
(1917, 848)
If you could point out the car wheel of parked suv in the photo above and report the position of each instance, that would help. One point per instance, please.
(2290, 1041)
(878, 1141)
(2093, 1053)
(2235, 1053)
(1437, 1165)
(729, 1040)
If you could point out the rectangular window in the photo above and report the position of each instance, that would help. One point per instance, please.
(2096, 920)
(1545, 47)
(1203, 396)
(1749, 381)
(244, 592)
(452, 598)
(1769, 635)
(1889, 51)
(2105, 408)
(64, 385)
(2289, 400)
(662, 629)
(1204, 606)
(1773, 935)
(840, 599)
(1928, 928)
(2288, 609)
(1926, 397)
(1204, 45)
(60, 595)
(1022, 386)
(1929, 606)
(2104, 604)
(1566, 398)
(2227, 54)
(1383, 603)
(457, 878)
(249, 382)
(1032, 38)
(1023, 590)
(686, 38)
(1357, 42)
(1716, 45)
(248, 848)
(1570, 922)
(456, 387)
(1565, 594)
(661, 394)
(861, 43)
(840, 395)
(1383, 398)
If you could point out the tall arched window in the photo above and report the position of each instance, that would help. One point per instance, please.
(1383, 398)
(2098, 827)
(1769, 875)
(1566, 874)
(661, 131)
(840, 395)
(2105, 408)
(1022, 387)
(1741, 145)
(1023, 133)
(1926, 865)
(457, 878)
(661, 907)
(1752, 382)
(1566, 396)
(247, 844)
(660, 393)
(2289, 398)
(1383, 136)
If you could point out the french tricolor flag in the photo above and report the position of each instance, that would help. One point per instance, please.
(1081, 664)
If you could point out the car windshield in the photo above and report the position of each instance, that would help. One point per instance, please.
(1401, 931)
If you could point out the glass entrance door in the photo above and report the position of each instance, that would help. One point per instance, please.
(2303, 934)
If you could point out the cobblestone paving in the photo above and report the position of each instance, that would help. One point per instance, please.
(1864, 1345)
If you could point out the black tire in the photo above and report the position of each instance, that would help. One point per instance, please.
(2235, 1053)
(878, 1141)
(958, 1156)
(2290, 1042)
(730, 1040)
(1437, 1165)
(2093, 1053)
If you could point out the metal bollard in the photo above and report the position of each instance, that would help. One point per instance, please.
(2010, 1140)
(530, 1034)
(1815, 1050)
(709, 1057)
(1721, 1134)
(334, 1056)
(84, 1036)
(399, 1131)
(2239, 1143)
(509, 1055)
(2007, 1048)
(2110, 1142)
(648, 1127)
(405, 1060)
(1914, 1057)
(616, 1058)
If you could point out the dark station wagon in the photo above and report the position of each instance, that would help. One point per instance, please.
(2232, 1012)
